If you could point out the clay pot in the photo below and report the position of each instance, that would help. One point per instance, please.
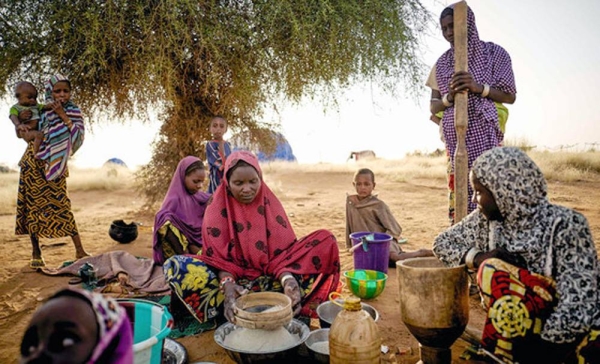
(122, 232)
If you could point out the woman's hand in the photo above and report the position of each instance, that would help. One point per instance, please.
(502, 254)
(462, 82)
(57, 107)
(231, 291)
(292, 290)
(19, 122)
(21, 130)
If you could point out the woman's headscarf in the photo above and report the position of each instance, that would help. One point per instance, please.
(59, 142)
(489, 64)
(516, 182)
(181, 209)
(113, 324)
(250, 240)
(554, 240)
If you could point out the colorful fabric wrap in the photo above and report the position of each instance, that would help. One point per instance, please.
(255, 239)
(183, 210)
(60, 141)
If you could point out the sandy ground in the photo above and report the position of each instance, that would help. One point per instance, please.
(313, 199)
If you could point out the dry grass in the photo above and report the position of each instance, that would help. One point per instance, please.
(102, 179)
(568, 166)
(401, 170)
(557, 166)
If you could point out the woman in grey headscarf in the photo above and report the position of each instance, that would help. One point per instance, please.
(538, 271)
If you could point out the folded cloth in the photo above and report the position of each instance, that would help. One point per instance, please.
(139, 275)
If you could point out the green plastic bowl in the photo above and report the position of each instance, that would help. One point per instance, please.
(365, 283)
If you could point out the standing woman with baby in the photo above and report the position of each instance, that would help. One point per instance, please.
(43, 206)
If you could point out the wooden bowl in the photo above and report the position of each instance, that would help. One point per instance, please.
(263, 310)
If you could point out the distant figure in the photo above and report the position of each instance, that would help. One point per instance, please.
(217, 151)
(363, 154)
(365, 212)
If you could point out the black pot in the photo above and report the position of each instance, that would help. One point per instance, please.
(122, 232)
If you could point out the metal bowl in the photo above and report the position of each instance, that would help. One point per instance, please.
(295, 327)
(318, 336)
(174, 353)
(328, 311)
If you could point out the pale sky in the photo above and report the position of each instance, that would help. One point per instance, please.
(554, 46)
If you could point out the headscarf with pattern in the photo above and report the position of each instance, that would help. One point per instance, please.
(181, 209)
(489, 64)
(59, 142)
(554, 241)
(256, 239)
(113, 324)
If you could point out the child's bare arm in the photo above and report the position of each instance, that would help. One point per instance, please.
(19, 127)
(15, 120)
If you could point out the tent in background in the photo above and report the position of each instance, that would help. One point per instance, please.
(115, 162)
(283, 150)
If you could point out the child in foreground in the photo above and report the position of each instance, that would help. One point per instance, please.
(366, 212)
(78, 326)
(217, 151)
(26, 95)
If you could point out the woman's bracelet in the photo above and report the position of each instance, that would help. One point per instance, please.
(446, 102)
(225, 280)
(285, 278)
(470, 258)
(486, 90)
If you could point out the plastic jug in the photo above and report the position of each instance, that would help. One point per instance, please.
(354, 335)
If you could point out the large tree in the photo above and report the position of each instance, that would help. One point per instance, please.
(191, 59)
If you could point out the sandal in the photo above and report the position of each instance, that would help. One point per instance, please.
(36, 263)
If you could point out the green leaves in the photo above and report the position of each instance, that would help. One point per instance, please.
(193, 59)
